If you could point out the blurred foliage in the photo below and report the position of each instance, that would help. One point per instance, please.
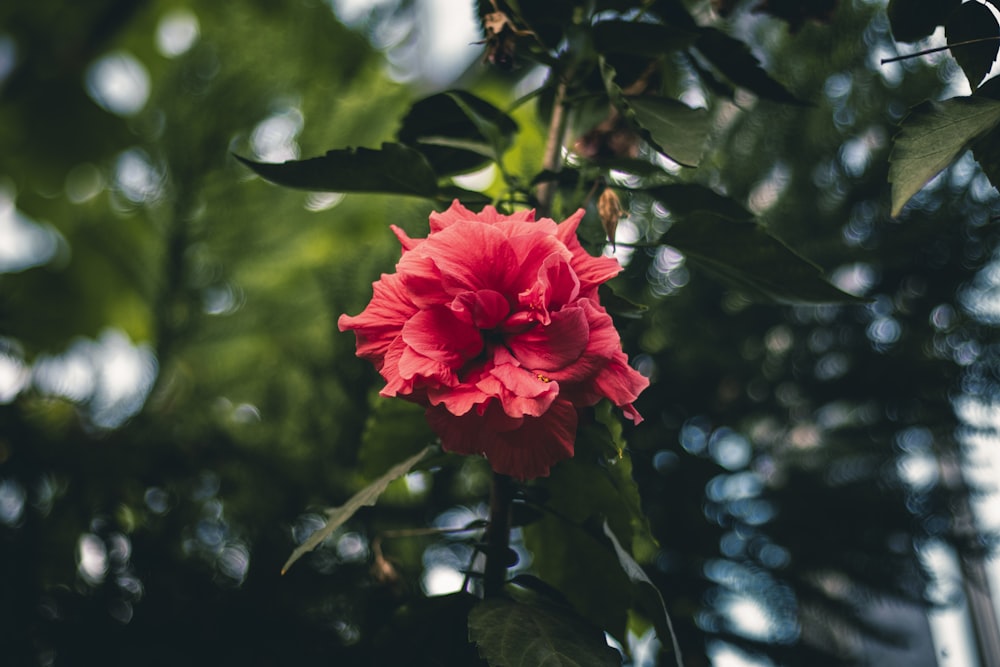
(146, 521)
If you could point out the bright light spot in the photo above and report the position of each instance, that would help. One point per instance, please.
(323, 201)
(273, 140)
(626, 232)
(24, 243)
(136, 177)
(92, 558)
(855, 278)
(352, 547)
(749, 618)
(442, 580)
(14, 376)
(919, 469)
(727, 655)
(234, 561)
(448, 45)
(477, 181)
(177, 32)
(729, 449)
(118, 83)
(70, 375)
(417, 483)
(12, 498)
(125, 377)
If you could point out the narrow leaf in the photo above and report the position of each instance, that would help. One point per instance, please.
(336, 516)
(514, 634)
(969, 22)
(735, 60)
(647, 595)
(744, 255)
(395, 169)
(931, 137)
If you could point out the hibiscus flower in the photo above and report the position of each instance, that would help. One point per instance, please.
(493, 323)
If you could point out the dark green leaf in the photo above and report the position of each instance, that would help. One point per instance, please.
(514, 634)
(336, 516)
(394, 169)
(570, 553)
(671, 127)
(647, 595)
(685, 198)
(745, 256)
(735, 60)
(640, 38)
(931, 137)
(973, 21)
(679, 131)
(619, 305)
(913, 20)
(457, 131)
(467, 197)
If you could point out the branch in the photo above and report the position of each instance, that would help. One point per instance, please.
(886, 61)
(498, 536)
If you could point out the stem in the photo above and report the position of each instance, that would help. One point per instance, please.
(886, 61)
(552, 161)
(498, 536)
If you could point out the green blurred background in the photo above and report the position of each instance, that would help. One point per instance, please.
(176, 403)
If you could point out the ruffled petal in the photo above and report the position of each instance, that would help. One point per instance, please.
(520, 392)
(526, 451)
(382, 320)
(436, 333)
(553, 347)
(470, 257)
(592, 271)
(484, 309)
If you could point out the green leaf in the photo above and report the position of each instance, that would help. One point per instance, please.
(682, 199)
(735, 60)
(336, 516)
(394, 169)
(456, 131)
(569, 551)
(931, 137)
(969, 22)
(671, 127)
(640, 38)
(913, 20)
(679, 131)
(745, 256)
(616, 304)
(515, 634)
(647, 595)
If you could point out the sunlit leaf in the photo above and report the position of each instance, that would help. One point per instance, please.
(913, 20)
(735, 60)
(394, 169)
(515, 634)
(336, 516)
(744, 255)
(969, 23)
(931, 137)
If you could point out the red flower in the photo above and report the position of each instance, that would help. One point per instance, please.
(493, 323)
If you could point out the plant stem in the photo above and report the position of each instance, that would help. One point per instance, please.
(552, 160)
(498, 536)
(886, 61)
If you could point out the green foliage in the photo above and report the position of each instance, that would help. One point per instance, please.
(974, 37)
(932, 136)
(746, 256)
(913, 20)
(516, 634)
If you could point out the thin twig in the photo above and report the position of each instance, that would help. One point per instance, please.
(886, 61)
(552, 160)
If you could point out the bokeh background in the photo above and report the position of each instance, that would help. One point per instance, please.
(176, 404)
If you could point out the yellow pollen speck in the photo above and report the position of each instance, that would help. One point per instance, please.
(543, 378)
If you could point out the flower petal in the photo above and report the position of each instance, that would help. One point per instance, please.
(436, 333)
(553, 347)
(526, 451)
(382, 319)
(521, 392)
(484, 309)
